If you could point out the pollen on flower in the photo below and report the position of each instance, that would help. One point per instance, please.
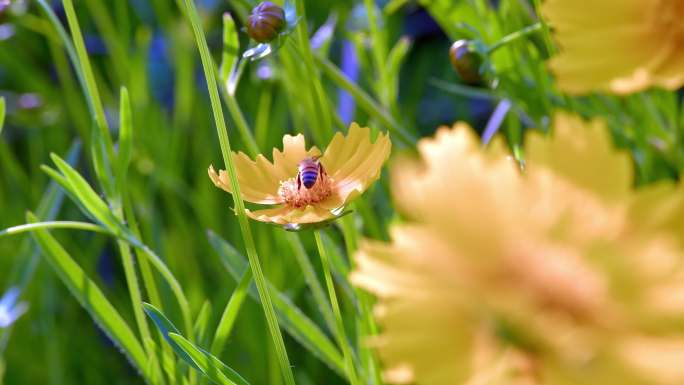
(302, 196)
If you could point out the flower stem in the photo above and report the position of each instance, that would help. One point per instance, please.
(341, 335)
(260, 280)
(53, 225)
(511, 37)
(365, 101)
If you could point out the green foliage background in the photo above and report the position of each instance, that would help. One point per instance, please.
(148, 47)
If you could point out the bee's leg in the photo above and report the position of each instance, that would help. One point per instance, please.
(299, 182)
(321, 170)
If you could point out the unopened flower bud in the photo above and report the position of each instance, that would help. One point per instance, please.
(466, 61)
(265, 22)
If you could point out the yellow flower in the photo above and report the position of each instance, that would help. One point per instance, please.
(561, 274)
(349, 165)
(620, 46)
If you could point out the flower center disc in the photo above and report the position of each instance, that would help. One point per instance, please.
(299, 196)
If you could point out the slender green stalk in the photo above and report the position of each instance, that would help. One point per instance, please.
(136, 303)
(14, 230)
(364, 100)
(240, 122)
(519, 34)
(230, 313)
(91, 88)
(545, 27)
(341, 334)
(71, 51)
(108, 31)
(320, 99)
(368, 325)
(262, 118)
(311, 279)
(378, 52)
(148, 279)
(210, 75)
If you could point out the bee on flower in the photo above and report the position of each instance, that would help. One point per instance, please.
(561, 274)
(308, 186)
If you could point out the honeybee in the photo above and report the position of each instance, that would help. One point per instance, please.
(310, 171)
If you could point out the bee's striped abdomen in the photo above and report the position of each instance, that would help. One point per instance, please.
(308, 172)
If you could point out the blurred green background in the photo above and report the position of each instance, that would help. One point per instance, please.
(148, 47)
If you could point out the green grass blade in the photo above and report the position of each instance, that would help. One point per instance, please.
(90, 296)
(66, 187)
(165, 326)
(102, 164)
(14, 230)
(231, 312)
(342, 340)
(202, 321)
(231, 48)
(222, 132)
(91, 92)
(194, 356)
(85, 194)
(125, 138)
(311, 279)
(2, 114)
(292, 319)
(365, 101)
(209, 365)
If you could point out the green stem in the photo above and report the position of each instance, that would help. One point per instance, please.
(230, 313)
(341, 334)
(379, 53)
(71, 51)
(148, 279)
(546, 31)
(89, 79)
(519, 34)
(364, 100)
(54, 225)
(322, 109)
(136, 302)
(369, 328)
(221, 129)
(311, 279)
(240, 122)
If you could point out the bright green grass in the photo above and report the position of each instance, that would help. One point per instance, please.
(125, 213)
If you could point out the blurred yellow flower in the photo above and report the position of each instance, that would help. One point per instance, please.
(561, 274)
(349, 165)
(619, 46)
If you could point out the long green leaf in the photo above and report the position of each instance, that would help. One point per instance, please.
(202, 321)
(2, 113)
(231, 48)
(209, 365)
(165, 326)
(194, 356)
(125, 137)
(89, 296)
(87, 196)
(290, 317)
(210, 75)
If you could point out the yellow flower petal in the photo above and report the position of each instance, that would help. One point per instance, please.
(259, 179)
(353, 162)
(284, 215)
(583, 153)
(561, 262)
(616, 45)
(659, 359)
